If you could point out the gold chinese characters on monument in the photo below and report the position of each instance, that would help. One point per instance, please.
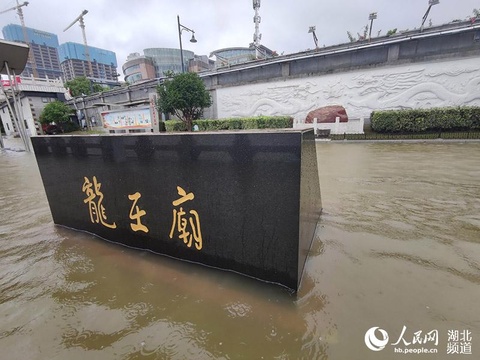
(187, 227)
(94, 200)
(185, 221)
(138, 226)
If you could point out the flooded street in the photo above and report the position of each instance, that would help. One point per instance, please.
(397, 247)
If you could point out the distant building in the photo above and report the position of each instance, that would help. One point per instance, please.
(67, 61)
(200, 63)
(73, 62)
(137, 68)
(34, 95)
(160, 60)
(44, 47)
(166, 59)
(239, 55)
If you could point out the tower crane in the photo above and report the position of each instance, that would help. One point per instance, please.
(31, 58)
(82, 25)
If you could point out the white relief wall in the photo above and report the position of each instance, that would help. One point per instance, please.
(423, 85)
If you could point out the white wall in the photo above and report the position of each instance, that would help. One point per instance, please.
(423, 85)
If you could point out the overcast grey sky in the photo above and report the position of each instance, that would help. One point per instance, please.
(126, 26)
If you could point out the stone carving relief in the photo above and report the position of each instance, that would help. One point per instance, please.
(268, 99)
(436, 84)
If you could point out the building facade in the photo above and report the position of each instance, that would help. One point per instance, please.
(200, 63)
(137, 68)
(74, 63)
(33, 95)
(43, 46)
(239, 55)
(157, 61)
(160, 60)
(165, 59)
(68, 61)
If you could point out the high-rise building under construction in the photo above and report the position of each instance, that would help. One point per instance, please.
(43, 46)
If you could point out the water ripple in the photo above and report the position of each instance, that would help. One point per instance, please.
(238, 309)
(398, 243)
(132, 311)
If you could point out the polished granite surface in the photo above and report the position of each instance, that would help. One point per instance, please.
(242, 201)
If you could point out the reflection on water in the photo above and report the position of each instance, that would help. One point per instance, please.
(398, 245)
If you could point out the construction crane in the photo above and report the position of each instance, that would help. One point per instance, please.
(31, 58)
(82, 25)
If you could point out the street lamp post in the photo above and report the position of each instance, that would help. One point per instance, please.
(371, 17)
(430, 4)
(192, 40)
(315, 38)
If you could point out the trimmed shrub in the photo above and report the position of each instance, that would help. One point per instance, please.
(258, 122)
(426, 120)
(69, 126)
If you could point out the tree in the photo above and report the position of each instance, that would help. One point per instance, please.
(351, 37)
(360, 37)
(59, 113)
(185, 96)
(365, 33)
(391, 32)
(169, 73)
(82, 86)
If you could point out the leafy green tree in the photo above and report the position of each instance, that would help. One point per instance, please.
(391, 32)
(59, 113)
(185, 96)
(82, 86)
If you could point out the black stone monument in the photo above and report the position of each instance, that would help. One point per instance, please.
(248, 202)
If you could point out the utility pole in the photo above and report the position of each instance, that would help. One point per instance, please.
(257, 19)
(192, 40)
(315, 39)
(430, 4)
(371, 17)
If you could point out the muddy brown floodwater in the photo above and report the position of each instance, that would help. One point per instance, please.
(396, 254)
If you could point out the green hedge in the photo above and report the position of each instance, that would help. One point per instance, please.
(258, 122)
(69, 126)
(423, 120)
